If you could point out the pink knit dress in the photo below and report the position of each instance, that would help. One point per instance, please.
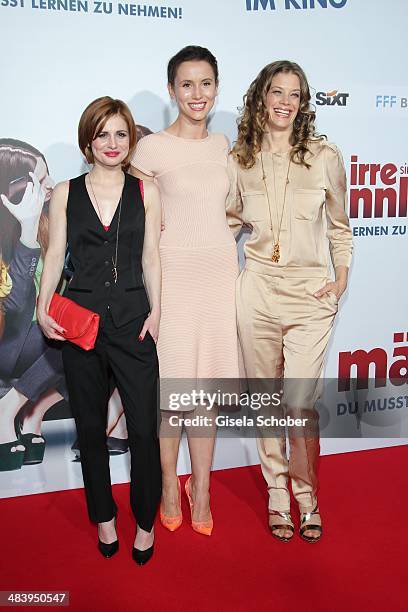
(198, 334)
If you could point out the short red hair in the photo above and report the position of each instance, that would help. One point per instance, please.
(93, 120)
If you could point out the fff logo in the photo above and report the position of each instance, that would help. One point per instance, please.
(382, 101)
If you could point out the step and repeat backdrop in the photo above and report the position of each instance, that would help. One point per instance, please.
(58, 55)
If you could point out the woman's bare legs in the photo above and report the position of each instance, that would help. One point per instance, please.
(169, 449)
(201, 446)
(201, 442)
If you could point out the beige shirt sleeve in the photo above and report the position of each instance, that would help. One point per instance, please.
(338, 227)
(234, 205)
(144, 156)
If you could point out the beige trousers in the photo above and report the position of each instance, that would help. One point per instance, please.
(284, 331)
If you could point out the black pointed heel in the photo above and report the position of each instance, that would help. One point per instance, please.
(142, 556)
(108, 550)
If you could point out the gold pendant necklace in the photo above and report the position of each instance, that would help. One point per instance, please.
(275, 257)
(276, 252)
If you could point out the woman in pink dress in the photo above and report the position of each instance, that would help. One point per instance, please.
(198, 337)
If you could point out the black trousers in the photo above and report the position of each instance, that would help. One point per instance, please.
(134, 366)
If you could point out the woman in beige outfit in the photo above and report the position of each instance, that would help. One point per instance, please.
(289, 186)
(198, 336)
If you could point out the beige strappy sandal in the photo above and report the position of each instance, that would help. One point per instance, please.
(311, 521)
(279, 521)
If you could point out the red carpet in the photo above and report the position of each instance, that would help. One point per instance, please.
(360, 564)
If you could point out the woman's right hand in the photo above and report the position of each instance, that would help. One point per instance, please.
(151, 325)
(50, 328)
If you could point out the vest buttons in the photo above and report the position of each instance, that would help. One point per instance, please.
(105, 243)
(107, 284)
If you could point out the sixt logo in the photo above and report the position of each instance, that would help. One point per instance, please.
(264, 5)
(361, 365)
(331, 98)
(373, 184)
(394, 102)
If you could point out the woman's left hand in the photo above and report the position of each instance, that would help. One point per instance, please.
(151, 325)
(337, 287)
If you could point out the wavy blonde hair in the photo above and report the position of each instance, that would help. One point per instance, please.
(254, 117)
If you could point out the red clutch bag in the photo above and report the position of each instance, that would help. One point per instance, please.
(81, 324)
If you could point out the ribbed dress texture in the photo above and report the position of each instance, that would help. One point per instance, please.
(198, 337)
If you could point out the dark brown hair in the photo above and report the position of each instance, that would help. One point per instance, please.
(93, 120)
(192, 53)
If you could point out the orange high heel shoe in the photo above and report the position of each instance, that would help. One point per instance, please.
(204, 527)
(172, 522)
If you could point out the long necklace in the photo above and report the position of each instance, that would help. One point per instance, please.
(114, 258)
(276, 248)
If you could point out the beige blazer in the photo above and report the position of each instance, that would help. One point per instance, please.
(314, 223)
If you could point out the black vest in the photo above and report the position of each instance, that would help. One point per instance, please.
(92, 248)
